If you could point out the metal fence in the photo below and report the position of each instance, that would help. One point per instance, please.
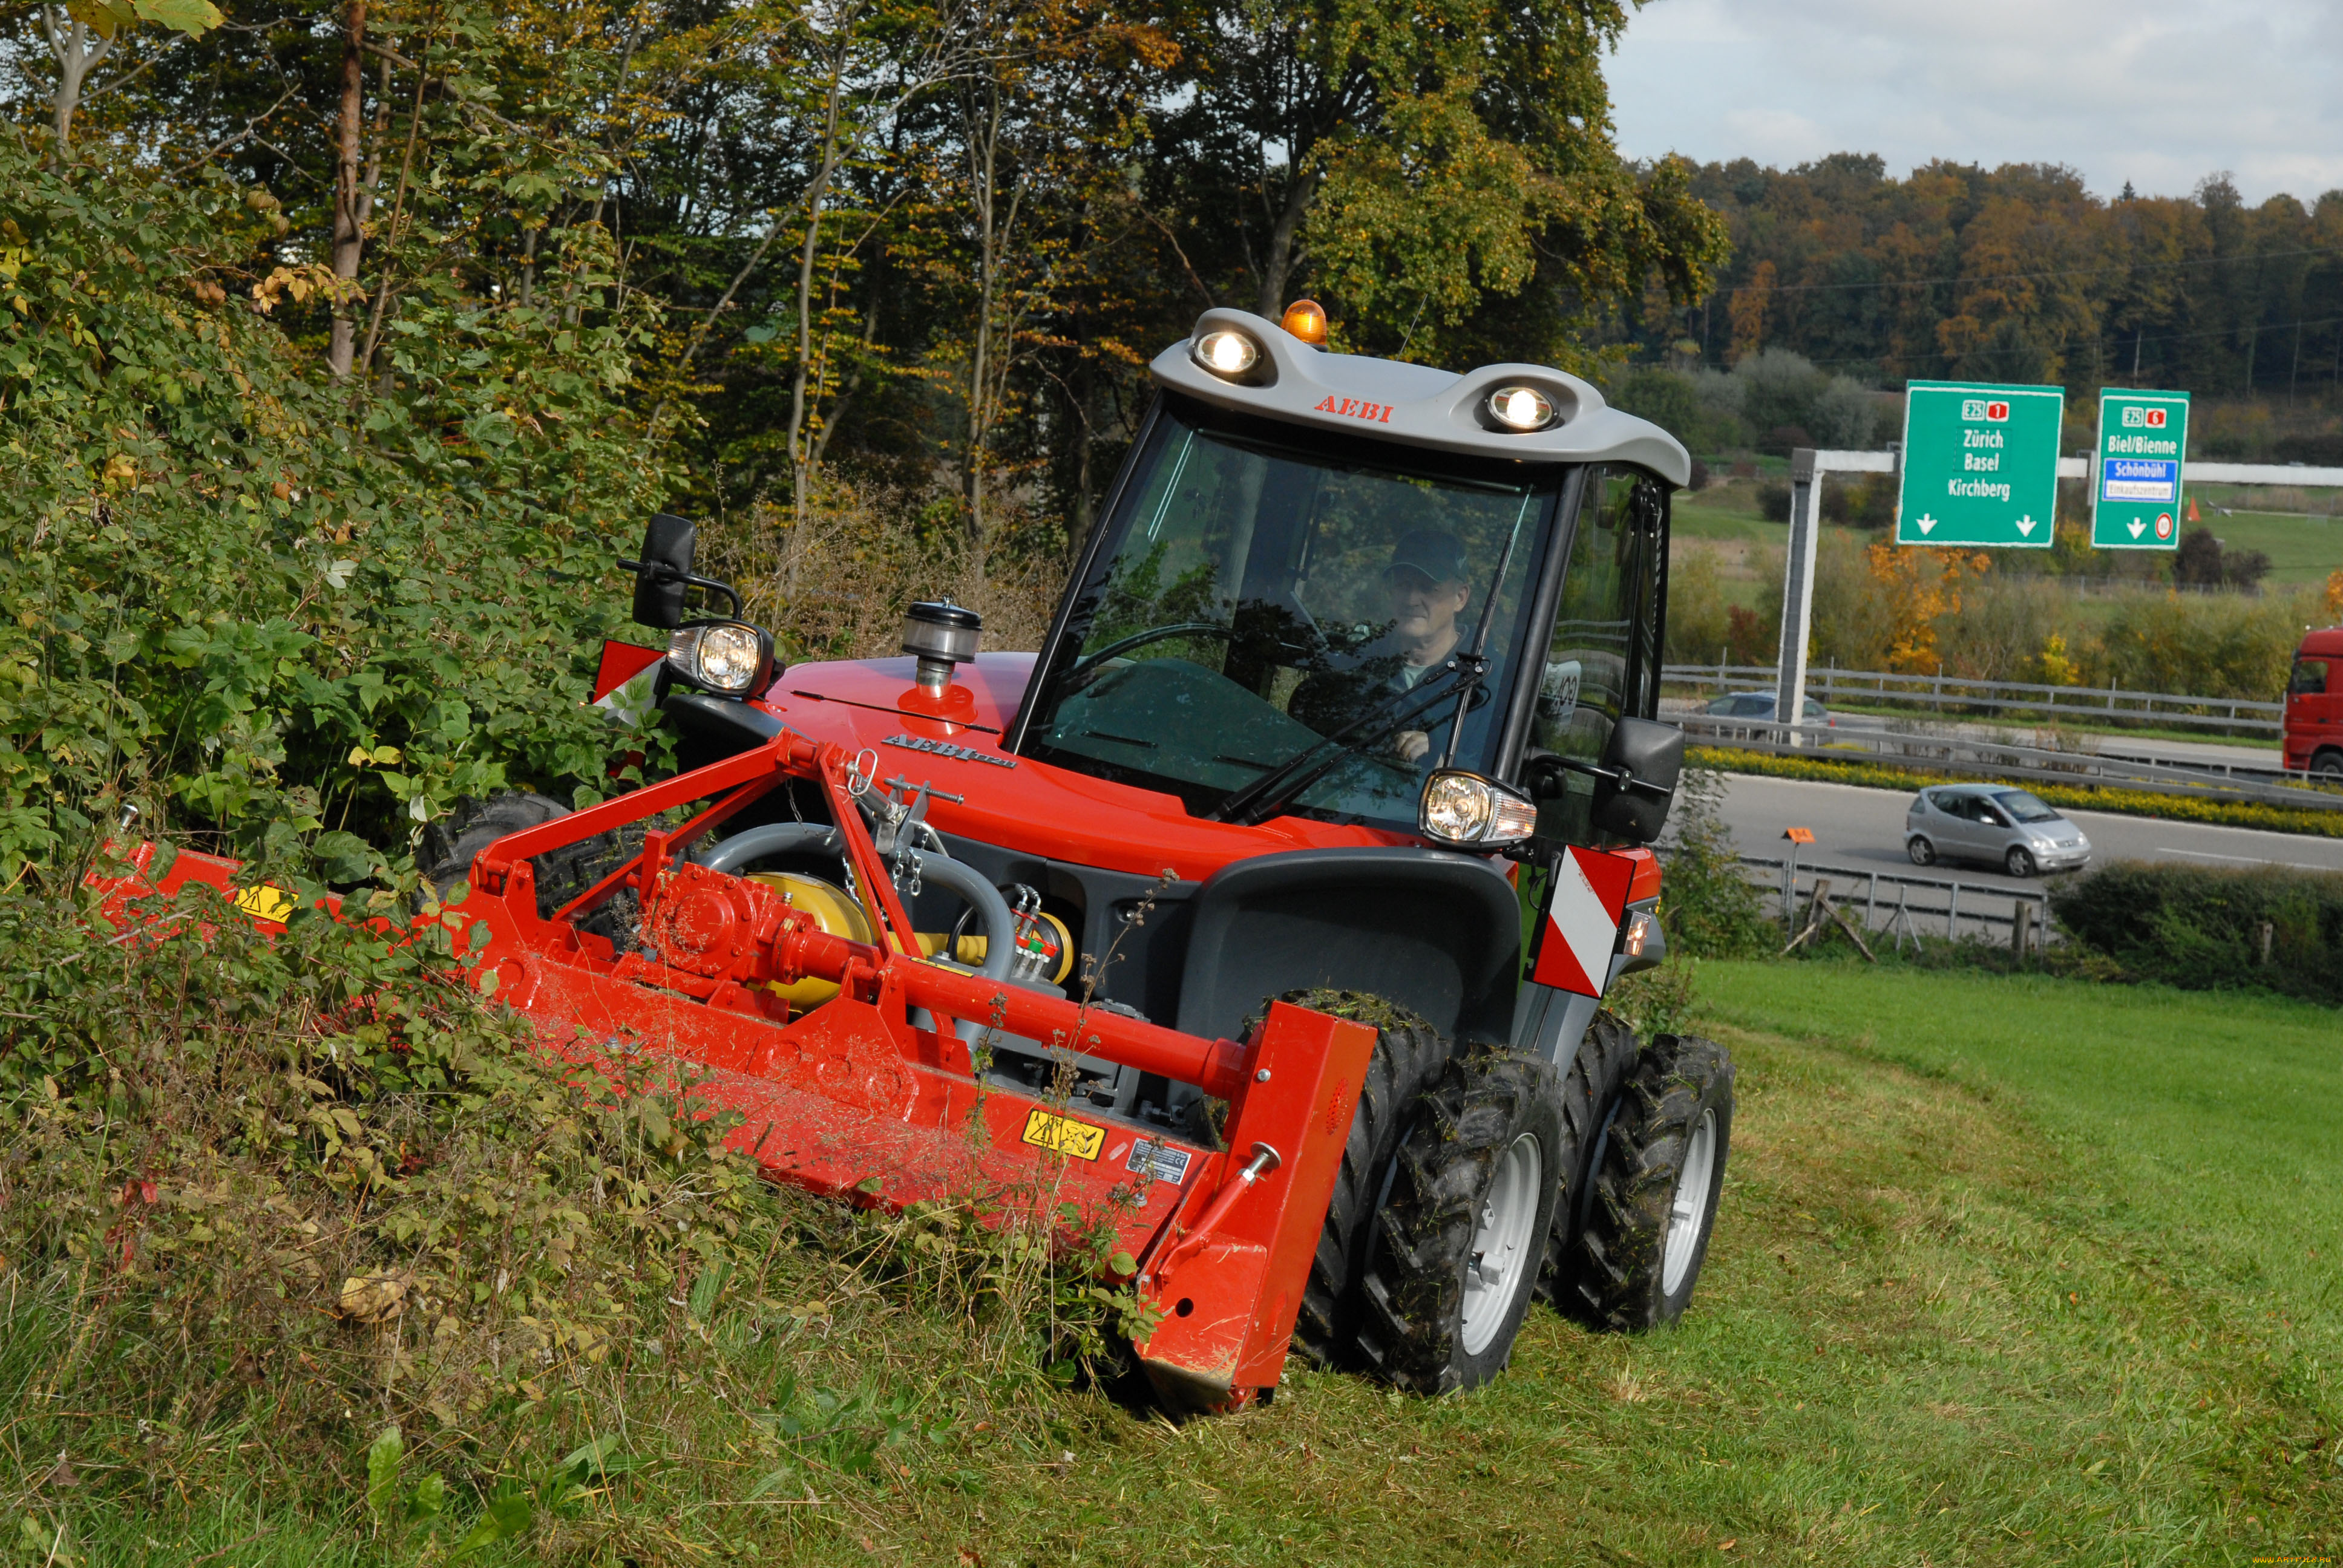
(1883, 902)
(1942, 691)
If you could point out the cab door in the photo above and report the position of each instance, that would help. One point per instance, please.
(2314, 708)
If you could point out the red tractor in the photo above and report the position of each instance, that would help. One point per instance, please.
(1263, 915)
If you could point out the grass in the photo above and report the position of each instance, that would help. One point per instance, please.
(2302, 550)
(2010, 1270)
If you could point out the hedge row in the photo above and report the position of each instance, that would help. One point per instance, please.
(2078, 797)
(2206, 930)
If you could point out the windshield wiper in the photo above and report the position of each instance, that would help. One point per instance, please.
(1267, 794)
(1264, 796)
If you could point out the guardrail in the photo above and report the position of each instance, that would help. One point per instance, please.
(1992, 758)
(1941, 691)
(1859, 887)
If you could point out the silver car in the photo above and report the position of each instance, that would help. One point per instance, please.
(1992, 822)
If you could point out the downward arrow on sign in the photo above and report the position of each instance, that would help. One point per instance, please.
(2137, 528)
(1924, 522)
(2025, 526)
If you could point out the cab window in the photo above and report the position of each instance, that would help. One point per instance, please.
(1603, 660)
(2310, 677)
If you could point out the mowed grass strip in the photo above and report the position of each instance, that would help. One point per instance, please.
(2010, 1270)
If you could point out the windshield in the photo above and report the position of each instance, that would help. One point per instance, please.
(2025, 807)
(1256, 600)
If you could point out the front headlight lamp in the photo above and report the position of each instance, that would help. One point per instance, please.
(1467, 811)
(1226, 352)
(730, 657)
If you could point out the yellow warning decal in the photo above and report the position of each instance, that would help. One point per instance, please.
(1078, 1138)
(265, 903)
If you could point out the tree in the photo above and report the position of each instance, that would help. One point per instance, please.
(1418, 162)
(83, 33)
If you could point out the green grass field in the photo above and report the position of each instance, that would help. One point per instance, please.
(2301, 549)
(2010, 1270)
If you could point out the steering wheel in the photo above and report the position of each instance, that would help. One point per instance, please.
(1090, 661)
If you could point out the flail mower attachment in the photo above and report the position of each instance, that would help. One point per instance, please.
(873, 1094)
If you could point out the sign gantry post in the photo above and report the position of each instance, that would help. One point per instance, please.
(2135, 474)
(1980, 465)
(1797, 591)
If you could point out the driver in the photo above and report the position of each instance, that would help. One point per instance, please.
(1429, 585)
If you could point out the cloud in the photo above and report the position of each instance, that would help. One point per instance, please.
(2160, 92)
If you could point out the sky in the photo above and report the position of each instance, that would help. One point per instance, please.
(2159, 93)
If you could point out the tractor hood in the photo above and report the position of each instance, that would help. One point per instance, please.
(1415, 403)
(1018, 803)
(995, 682)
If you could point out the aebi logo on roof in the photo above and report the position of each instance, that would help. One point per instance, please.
(1992, 412)
(1352, 408)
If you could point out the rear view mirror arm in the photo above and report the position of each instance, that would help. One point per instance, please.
(1618, 778)
(662, 573)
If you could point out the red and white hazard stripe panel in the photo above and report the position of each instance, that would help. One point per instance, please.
(1585, 905)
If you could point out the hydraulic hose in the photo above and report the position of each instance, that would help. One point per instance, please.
(781, 838)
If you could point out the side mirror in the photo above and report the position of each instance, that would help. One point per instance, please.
(663, 571)
(1640, 764)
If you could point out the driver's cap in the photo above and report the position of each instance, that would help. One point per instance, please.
(1435, 554)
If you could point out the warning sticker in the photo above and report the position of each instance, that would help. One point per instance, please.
(1078, 1138)
(263, 903)
(1159, 1162)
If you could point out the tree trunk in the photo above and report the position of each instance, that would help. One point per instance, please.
(349, 235)
(77, 54)
(804, 452)
(1277, 265)
(984, 172)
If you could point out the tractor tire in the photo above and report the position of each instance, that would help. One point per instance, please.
(1408, 1054)
(1590, 1097)
(1457, 1246)
(1656, 1191)
(561, 874)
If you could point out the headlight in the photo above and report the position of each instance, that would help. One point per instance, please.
(1226, 352)
(1470, 812)
(1520, 408)
(726, 656)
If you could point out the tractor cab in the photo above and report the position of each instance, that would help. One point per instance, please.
(1323, 578)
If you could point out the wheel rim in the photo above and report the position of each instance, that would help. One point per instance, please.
(1685, 1214)
(2019, 864)
(1500, 1242)
(1921, 851)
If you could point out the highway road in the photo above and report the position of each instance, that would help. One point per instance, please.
(1864, 828)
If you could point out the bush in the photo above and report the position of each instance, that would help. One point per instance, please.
(273, 1186)
(2203, 929)
(1708, 909)
(1773, 500)
(264, 606)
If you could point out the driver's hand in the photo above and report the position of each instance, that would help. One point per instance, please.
(1411, 745)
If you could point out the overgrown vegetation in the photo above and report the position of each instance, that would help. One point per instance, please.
(2213, 927)
(298, 624)
(299, 1242)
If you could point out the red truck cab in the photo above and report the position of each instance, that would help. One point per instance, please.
(2314, 708)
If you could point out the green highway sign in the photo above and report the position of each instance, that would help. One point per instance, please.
(1980, 465)
(2135, 482)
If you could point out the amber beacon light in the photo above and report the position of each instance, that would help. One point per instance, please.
(1306, 319)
